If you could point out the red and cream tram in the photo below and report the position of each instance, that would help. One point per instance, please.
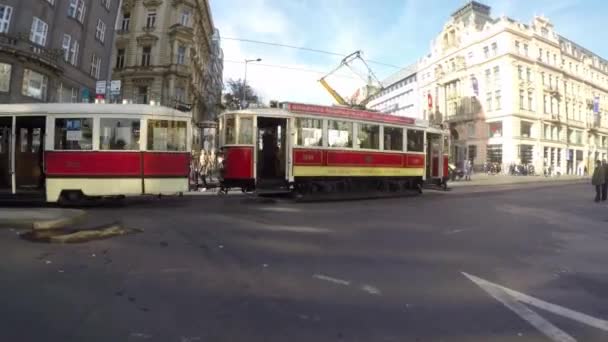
(70, 152)
(319, 149)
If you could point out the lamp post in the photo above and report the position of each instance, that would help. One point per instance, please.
(245, 80)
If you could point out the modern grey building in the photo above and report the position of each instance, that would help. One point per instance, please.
(54, 50)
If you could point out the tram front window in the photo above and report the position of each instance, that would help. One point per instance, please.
(119, 134)
(74, 134)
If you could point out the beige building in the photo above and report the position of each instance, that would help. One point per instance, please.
(162, 53)
(515, 93)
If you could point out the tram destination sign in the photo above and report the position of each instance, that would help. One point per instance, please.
(348, 113)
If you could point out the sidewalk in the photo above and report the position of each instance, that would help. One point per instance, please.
(39, 218)
(483, 179)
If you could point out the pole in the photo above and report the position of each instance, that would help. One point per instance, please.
(244, 86)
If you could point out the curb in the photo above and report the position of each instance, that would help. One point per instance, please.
(478, 189)
(75, 216)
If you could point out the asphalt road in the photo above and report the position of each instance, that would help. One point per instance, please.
(210, 268)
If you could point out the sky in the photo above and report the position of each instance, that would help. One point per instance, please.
(392, 32)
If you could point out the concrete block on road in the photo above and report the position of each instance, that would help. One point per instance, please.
(39, 218)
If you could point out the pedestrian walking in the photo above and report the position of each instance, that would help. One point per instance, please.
(598, 179)
(467, 170)
(605, 185)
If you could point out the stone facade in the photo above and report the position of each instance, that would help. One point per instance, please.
(54, 50)
(163, 51)
(515, 93)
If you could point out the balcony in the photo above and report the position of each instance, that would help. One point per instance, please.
(179, 29)
(20, 46)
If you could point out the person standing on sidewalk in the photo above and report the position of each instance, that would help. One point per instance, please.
(605, 185)
(598, 179)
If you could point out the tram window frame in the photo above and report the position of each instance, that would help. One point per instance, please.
(135, 135)
(399, 145)
(230, 128)
(174, 141)
(243, 139)
(61, 135)
(371, 136)
(299, 132)
(349, 143)
(412, 135)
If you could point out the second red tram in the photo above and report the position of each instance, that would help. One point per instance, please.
(319, 149)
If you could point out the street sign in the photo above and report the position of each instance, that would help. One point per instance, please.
(115, 86)
(85, 95)
(100, 87)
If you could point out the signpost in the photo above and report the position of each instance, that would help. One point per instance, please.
(100, 90)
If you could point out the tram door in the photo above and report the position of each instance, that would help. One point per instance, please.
(434, 156)
(29, 149)
(6, 125)
(271, 152)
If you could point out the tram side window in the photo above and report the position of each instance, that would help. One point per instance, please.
(74, 134)
(230, 130)
(119, 134)
(167, 135)
(415, 141)
(309, 132)
(246, 131)
(393, 138)
(368, 136)
(339, 134)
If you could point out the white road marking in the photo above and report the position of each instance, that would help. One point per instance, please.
(281, 209)
(513, 300)
(371, 290)
(455, 231)
(332, 279)
(140, 335)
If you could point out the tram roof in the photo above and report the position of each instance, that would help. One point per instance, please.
(90, 108)
(289, 108)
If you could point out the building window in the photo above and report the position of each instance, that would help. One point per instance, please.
(73, 5)
(184, 18)
(151, 19)
(5, 77)
(340, 134)
(5, 18)
(471, 130)
(488, 74)
(368, 136)
(494, 49)
(545, 104)
(180, 96)
(522, 105)
(126, 20)
(34, 84)
(95, 66)
(495, 129)
(540, 54)
(489, 102)
(74, 53)
(497, 76)
(74, 134)
(80, 11)
(142, 95)
(486, 52)
(65, 46)
(120, 58)
(525, 129)
(146, 53)
(520, 72)
(39, 31)
(517, 47)
(497, 99)
(181, 54)
(309, 132)
(544, 32)
(526, 50)
(393, 138)
(530, 101)
(529, 74)
(100, 32)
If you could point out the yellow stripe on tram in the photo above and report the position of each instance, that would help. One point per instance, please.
(321, 171)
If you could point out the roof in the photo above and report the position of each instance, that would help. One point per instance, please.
(89, 108)
(400, 75)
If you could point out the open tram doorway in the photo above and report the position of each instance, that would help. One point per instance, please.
(6, 182)
(434, 157)
(271, 154)
(29, 154)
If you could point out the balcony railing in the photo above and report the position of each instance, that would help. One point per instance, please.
(21, 45)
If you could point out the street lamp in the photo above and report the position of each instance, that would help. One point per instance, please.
(245, 80)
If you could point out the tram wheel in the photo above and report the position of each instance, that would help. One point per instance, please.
(69, 198)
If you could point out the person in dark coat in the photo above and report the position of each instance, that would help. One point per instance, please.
(605, 186)
(598, 179)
